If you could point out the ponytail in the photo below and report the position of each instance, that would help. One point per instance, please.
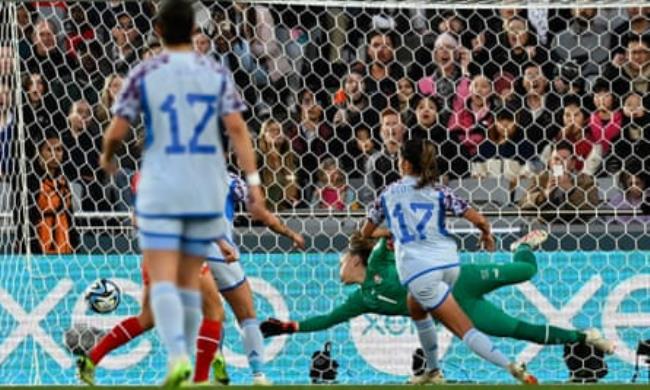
(429, 166)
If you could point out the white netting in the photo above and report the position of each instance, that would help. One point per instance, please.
(540, 115)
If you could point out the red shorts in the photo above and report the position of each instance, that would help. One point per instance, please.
(145, 275)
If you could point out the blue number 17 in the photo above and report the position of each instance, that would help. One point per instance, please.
(421, 227)
(193, 147)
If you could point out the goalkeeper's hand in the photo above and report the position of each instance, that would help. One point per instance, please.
(274, 327)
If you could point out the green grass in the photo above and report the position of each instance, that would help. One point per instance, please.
(387, 387)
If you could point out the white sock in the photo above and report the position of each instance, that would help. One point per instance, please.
(191, 300)
(168, 316)
(482, 346)
(428, 341)
(253, 344)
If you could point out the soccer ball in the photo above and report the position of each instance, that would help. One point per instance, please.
(103, 296)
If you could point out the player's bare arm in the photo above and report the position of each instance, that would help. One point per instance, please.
(113, 137)
(482, 224)
(243, 147)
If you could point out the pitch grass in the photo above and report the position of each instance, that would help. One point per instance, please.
(377, 387)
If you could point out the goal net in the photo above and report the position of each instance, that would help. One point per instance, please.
(539, 113)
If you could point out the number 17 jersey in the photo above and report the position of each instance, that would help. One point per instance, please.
(416, 220)
(182, 96)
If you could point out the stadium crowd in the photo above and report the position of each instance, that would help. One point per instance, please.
(556, 99)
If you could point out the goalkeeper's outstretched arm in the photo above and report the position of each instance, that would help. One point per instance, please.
(352, 307)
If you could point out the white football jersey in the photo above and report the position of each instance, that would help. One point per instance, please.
(182, 95)
(416, 219)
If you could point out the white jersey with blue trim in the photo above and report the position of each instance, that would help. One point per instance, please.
(416, 219)
(182, 95)
(237, 193)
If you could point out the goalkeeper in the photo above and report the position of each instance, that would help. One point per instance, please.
(381, 293)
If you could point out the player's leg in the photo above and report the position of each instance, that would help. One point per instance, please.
(429, 342)
(197, 235)
(240, 299)
(168, 309)
(120, 335)
(479, 280)
(160, 240)
(493, 321)
(209, 338)
(433, 294)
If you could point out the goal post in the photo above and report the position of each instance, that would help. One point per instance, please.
(496, 86)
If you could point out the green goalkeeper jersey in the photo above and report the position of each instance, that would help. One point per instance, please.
(382, 293)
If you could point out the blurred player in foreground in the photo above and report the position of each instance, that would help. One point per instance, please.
(380, 292)
(222, 273)
(184, 185)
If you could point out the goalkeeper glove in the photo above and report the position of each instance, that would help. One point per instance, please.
(274, 327)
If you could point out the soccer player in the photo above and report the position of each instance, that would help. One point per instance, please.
(230, 281)
(184, 181)
(380, 292)
(236, 289)
(426, 258)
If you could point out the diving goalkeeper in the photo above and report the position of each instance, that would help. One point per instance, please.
(381, 293)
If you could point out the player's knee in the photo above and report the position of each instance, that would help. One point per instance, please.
(244, 313)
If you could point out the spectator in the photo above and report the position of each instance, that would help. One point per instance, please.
(40, 110)
(278, 164)
(588, 154)
(353, 107)
(54, 11)
(248, 72)
(586, 41)
(633, 75)
(25, 29)
(471, 117)
(279, 57)
(382, 71)
(90, 76)
(383, 166)
(638, 23)
(82, 143)
(562, 187)
(78, 29)
(50, 201)
(605, 123)
(151, 50)
(125, 44)
(332, 191)
(46, 58)
(633, 197)
(112, 86)
(202, 43)
(537, 117)
(505, 152)
(504, 92)
(7, 132)
(448, 81)
(428, 120)
(358, 150)
(312, 140)
(517, 47)
(405, 95)
(633, 144)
